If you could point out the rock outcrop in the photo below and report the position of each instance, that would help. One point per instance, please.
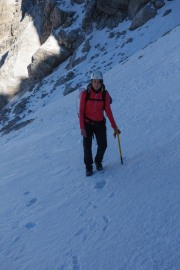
(27, 27)
(14, 69)
(144, 15)
(10, 13)
(135, 6)
(46, 58)
(113, 7)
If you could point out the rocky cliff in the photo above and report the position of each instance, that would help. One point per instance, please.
(37, 35)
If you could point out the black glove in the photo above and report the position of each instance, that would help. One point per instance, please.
(116, 132)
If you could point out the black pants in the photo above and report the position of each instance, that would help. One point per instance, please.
(99, 130)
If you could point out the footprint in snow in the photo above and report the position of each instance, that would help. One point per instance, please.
(75, 263)
(100, 185)
(106, 221)
(31, 202)
(30, 225)
(26, 193)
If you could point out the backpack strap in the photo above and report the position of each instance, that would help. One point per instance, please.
(104, 92)
(88, 93)
(104, 98)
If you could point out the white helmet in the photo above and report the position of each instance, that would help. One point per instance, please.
(96, 75)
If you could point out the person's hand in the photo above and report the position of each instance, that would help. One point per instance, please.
(83, 132)
(116, 132)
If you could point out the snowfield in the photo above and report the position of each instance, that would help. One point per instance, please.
(126, 217)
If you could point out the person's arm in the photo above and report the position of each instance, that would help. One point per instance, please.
(109, 111)
(81, 113)
(110, 115)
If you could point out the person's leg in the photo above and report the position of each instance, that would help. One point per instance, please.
(101, 137)
(87, 143)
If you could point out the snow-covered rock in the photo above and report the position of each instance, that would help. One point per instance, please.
(28, 24)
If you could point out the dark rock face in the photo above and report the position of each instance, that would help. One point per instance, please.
(51, 18)
(3, 101)
(110, 13)
(112, 7)
(135, 6)
(144, 15)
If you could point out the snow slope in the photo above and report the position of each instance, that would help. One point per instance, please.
(124, 218)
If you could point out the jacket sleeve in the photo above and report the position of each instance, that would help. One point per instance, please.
(82, 109)
(109, 111)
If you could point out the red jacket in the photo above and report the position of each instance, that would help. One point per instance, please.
(94, 109)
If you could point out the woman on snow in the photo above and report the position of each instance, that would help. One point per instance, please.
(94, 101)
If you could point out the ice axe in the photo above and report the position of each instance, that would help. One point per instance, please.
(120, 150)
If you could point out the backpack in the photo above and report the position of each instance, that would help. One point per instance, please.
(88, 97)
(103, 95)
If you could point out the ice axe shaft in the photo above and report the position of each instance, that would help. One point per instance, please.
(120, 150)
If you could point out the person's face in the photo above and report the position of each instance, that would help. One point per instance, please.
(96, 84)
